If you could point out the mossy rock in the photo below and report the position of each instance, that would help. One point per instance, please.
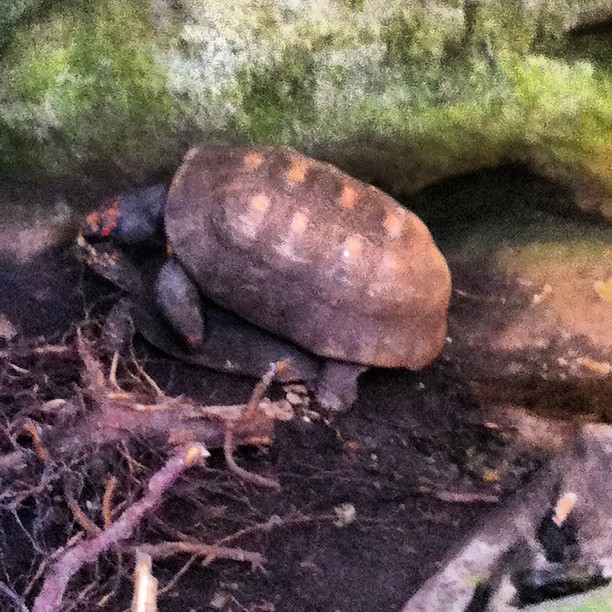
(392, 91)
(86, 96)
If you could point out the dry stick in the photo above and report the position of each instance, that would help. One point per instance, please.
(41, 452)
(174, 580)
(81, 518)
(228, 448)
(112, 377)
(269, 525)
(167, 549)
(262, 386)
(252, 406)
(145, 584)
(42, 568)
(51, 594)
(107, 500)
(172, 413)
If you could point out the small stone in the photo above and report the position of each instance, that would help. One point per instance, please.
(298, 389)
(490, 476)
(297, 400)
(7, 330)
(219, 600)
(345, 514)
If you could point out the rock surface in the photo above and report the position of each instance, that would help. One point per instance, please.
(399, 94)
(531, 316)
(582, 470)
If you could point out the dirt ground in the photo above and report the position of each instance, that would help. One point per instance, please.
(420, 458)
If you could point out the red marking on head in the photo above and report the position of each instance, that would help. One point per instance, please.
(104, 222)
(108, 228)
(93, 221)
(113, 212)
(192, 340)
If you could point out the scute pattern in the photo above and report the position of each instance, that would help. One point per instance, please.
(300, 248)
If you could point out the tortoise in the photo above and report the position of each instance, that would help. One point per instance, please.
(298, 257)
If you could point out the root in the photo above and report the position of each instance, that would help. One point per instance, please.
(88, 450)
(240, 472)
(87, 551)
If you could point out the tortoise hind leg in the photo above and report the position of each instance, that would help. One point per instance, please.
(178, 299)
(336, 386)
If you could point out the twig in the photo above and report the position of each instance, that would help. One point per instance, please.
(252, 408)
(172, 583)
(16, 600)
(156, 388)
(458, 497)
(42, 568)
(228, 449)
(94, 375)
(51, 349)
(51, 594)
(112, 376)
(262, 386)
(107, 500)
(82, 519)
(167, 549)
(129, 459)
(272, 523)
(41, 452)
(145, 585)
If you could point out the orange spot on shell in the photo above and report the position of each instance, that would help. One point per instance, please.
(390, 263)
(297, 170)
(348, 197)
(393, 224)
(260, 202)
(604, 289)
(252, 160)
(353, 246)
(598, 367)
(299, 222)
(352, 447)
(169, 249)
(564, 508)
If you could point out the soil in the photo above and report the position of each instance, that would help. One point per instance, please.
(370, 502)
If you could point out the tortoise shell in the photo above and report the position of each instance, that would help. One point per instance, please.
(299, 248)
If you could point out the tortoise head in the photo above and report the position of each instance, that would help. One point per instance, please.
(131, 218)
(102, 223)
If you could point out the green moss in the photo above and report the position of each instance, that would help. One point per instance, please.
(11, 12)
(354, 5)
(566, 108)
(278, 99)
(89, 80)
(446, 88)
(419, 37)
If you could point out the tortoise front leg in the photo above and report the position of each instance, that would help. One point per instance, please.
(177, 297)
(117, 333)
